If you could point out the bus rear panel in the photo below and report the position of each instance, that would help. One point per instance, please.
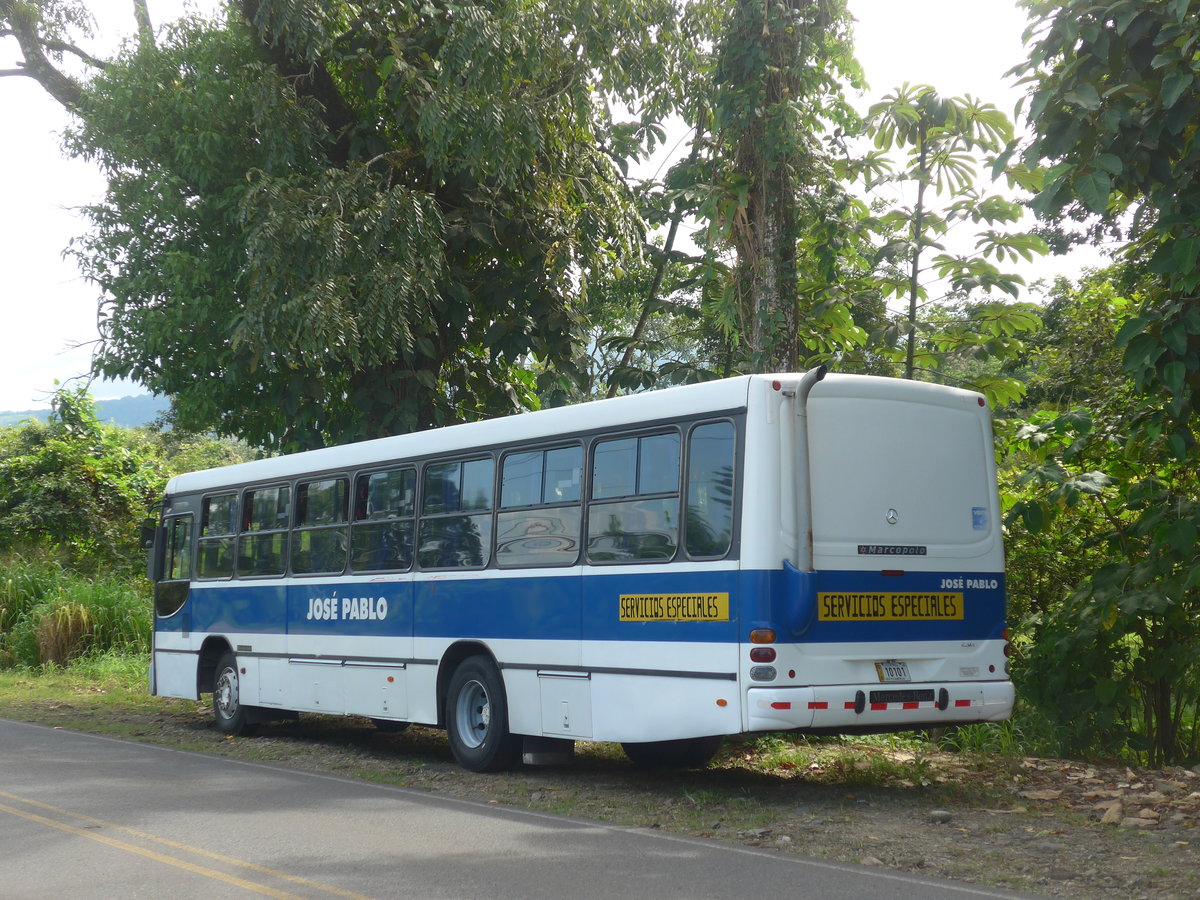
(894, 617)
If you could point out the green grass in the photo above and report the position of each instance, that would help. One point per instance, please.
(49, 613)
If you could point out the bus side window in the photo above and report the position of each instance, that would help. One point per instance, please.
(381, 535)
(262, 545)
(709, 515)
(455, 530)
(319, 540)
(218, 524)
(634, 510)
(540, 515)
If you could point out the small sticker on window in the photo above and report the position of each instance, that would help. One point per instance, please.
(979, 518)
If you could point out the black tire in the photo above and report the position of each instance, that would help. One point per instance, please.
(231, 716)
(477, 718)
(689, 753)
(389, 726)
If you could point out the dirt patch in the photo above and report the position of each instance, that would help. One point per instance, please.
(1051, 827)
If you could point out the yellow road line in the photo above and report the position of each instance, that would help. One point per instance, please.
(150, 854)
(174, 845)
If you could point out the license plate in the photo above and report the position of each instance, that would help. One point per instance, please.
(892, 670)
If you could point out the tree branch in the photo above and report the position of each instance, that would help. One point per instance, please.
(23, 22)
(63, 47)
(310, 78)
(141, 14)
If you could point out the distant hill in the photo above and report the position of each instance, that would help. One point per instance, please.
(128, 412)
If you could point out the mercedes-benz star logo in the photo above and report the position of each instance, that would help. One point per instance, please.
(892, 516)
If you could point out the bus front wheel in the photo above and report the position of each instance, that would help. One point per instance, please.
(477, 718)
(231, 716)
(689, 753)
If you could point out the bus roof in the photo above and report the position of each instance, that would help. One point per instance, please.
(726, 394)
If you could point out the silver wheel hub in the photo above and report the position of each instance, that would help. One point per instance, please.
(225, 694)
(473, 714)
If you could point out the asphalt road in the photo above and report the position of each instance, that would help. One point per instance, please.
(91, 817)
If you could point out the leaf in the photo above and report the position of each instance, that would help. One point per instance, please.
(1093, 189)
(1181, 536)
(1084, 95)
(1173, 87)
(1135, 326)
(1108, 162)
(1173, 375)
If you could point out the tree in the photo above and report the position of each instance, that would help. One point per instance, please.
(943, 138)
(759, 87)
(1114, 100)
(776, 99)
(332, 221)
(76, 488)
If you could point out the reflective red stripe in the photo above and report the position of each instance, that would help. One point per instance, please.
(781, 704)
(878, 706)
(849, 704)
(912, 705)
(962, 702)
(819, 704)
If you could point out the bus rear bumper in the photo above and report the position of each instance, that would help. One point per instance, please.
(870, 706)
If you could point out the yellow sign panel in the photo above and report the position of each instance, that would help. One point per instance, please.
(886, 607)
(674, 608)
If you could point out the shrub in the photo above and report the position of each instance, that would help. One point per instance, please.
(49, 614)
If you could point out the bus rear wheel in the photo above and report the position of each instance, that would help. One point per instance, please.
(689, 753)
(477, 718)
(231, 716)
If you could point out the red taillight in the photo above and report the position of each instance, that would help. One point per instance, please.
(762, 636)
(982, 402)
(762, 654)
(775, 385)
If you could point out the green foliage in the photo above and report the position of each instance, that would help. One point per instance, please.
(1015, 737)
(770, 190)
(1113, 106)
(51, 615)
(942, 139)
(76, 487)
(1114, 99)
(1102, 534)
(366, 220)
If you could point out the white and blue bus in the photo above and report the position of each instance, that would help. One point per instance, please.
(794, 552)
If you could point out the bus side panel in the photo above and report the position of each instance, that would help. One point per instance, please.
(528, 624)
(662, 651)
(366, 623)
(175, 674)
(636, 707)
(470, 606)
(238, 608)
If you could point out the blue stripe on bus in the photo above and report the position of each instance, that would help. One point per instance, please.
(570, 606)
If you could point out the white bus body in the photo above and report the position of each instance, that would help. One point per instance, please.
(764, 553)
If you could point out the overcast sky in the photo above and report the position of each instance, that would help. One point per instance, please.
(48, 314)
